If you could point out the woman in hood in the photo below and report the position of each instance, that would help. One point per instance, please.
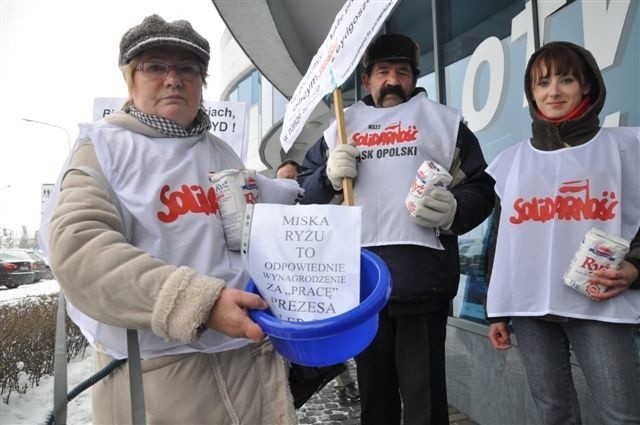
(570, 177)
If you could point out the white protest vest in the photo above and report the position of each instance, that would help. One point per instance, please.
(550, 199)
(169, 211)
(393, 142)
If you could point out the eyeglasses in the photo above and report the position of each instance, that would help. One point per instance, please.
(157, 70)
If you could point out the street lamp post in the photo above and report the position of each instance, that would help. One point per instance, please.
(55, 126)
(68, 150)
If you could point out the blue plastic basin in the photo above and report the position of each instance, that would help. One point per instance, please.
(330, 341)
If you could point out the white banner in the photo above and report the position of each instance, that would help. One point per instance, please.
(229, 120)
(103, 106)
(45, 194)
(353, 29)
(305, 259)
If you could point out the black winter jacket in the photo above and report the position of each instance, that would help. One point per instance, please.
(421, 277)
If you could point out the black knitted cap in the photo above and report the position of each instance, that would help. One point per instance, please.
(155, 31)
(391, 48)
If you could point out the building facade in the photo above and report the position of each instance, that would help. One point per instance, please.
(473, 57)
(240, 81)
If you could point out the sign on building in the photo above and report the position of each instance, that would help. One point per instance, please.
(229, 120)
(45, 194)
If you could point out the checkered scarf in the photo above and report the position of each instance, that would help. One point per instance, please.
(169, 128)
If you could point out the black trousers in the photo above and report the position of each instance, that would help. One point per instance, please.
(402, 373)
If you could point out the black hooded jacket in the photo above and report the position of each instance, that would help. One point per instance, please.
(420, 276)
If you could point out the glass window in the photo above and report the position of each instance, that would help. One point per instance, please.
(244, 90)
(428, 82)
(414, 19)
(233, 95)
(621, 78)
(247, 90)
(466, 24)
(279, 106)
(255, 88)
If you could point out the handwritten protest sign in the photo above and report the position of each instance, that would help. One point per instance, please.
(105, 106)
(305, 259)
(353, 28)
(229, 120)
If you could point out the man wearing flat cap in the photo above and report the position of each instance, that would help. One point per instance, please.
(136, 242)
(390, 133)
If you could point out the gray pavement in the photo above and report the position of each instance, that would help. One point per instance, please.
(328, 407)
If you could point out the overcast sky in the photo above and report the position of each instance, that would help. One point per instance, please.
(55, 58)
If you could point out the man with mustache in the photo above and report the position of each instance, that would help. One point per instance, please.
(390, 133)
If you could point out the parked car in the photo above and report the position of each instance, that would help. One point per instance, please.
(43, 271)
(15, 271)
(38, 264)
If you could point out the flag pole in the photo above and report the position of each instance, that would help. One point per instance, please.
(347, 183)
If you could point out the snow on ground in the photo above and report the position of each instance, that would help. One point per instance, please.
(34, 406)
(18, 294)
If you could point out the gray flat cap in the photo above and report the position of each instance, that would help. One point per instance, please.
(155, 31)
